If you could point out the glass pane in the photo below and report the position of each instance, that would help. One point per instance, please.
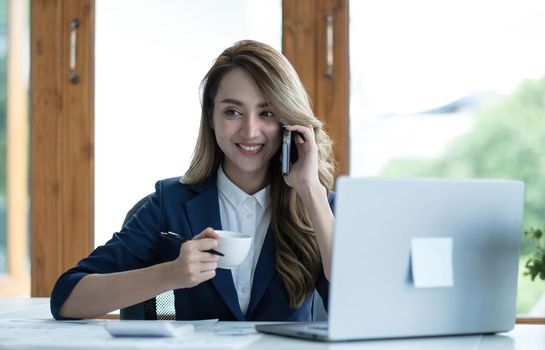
(453, 89)
(3, 83)
(150, 58)
(15, 258)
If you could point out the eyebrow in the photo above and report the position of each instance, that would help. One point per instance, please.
(239, 103)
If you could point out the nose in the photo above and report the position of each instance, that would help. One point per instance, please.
(250, 126)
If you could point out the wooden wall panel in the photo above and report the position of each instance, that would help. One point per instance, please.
(305, 45)
(333, 93)
(78, 135)
(61, 140)
(298, 40)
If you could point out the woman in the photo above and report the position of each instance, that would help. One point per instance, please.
(234, 183)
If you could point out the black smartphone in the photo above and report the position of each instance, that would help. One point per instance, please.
(289, 153)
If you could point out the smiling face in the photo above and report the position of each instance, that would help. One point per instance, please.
(246, 130)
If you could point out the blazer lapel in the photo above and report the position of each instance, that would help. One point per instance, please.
(202, 212)
(264, 271)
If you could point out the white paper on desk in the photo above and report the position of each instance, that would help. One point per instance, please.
(200, 323)
(431, 261)
(49, 334)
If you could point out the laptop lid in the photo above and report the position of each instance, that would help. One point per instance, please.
(424, 257)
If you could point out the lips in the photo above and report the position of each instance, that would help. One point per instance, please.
(250, 149)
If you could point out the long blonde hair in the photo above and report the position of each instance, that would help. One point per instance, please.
(297, 255)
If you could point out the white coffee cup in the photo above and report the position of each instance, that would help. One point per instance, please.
(234, 246)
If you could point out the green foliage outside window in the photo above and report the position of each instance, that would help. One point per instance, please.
(507, 141)
(535, 266)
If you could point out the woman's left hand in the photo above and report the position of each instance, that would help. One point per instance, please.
(303, 177)
(303, 174)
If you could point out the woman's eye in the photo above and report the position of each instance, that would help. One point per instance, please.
(232, 113)
(267, 114)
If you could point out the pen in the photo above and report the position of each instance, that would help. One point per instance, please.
(180, 238)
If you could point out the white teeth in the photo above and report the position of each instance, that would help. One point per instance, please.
(250, 148)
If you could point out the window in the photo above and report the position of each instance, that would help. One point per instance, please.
(150, 59)
(452, 89)
(3, 94)
(14, 252)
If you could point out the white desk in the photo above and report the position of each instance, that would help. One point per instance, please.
(23, 307)
(523, 337)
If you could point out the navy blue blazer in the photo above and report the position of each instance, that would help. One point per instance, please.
(189, 209)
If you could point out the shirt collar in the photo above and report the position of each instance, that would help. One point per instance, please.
(262, 196)
(235, 195)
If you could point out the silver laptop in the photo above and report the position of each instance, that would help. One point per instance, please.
(420, 257)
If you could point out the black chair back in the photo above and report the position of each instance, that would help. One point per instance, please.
(146, 310)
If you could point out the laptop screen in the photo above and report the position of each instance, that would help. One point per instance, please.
(419, 257)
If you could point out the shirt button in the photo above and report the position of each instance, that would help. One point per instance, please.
(244, 289)
(248, 216)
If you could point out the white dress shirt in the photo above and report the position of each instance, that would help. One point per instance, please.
(246, 214)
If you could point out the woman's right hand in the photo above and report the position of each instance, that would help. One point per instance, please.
(194, 265)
